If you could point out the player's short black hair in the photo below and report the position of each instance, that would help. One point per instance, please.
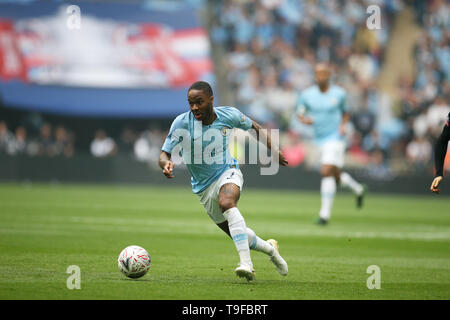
(202, 85)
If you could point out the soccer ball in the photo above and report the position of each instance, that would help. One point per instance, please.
(134, 261)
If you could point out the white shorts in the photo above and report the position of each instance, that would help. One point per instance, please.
(332, 153)
(210, 196)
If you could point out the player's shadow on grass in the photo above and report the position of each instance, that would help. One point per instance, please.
(136, 280)
(265, 282)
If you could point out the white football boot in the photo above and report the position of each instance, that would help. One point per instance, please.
(245, 271)
(277, 260)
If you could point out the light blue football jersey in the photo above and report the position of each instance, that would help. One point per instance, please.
(326, 110)
(205, 148)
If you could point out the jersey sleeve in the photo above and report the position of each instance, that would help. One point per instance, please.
(440, 149)
(173, 138)
(239, 120)
(344, 105)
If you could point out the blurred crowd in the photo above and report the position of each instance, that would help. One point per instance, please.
(425, 98)
(50, 142)
(53, 141)
(271, 47)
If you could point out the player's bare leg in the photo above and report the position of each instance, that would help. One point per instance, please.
(228, 197)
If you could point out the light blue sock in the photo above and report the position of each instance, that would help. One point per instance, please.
(236, 225)
(258, 244)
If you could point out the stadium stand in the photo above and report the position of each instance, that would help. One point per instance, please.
(269, 48)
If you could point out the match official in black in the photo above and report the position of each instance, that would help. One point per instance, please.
(440, 150)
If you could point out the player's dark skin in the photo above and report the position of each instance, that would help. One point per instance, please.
(440, 150)
(201, 106)
(322, 77)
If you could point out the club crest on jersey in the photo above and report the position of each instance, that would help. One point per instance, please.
(333, 101)
(225, 131)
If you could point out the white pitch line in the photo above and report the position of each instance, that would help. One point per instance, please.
(202, 224)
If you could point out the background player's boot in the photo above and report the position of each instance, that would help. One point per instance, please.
(360, 198)
(277, 260)
(245, 271)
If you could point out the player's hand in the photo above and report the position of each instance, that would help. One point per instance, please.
(342, 130)
(168, 169)
(435, 184)
(282, 159)
(306, 120)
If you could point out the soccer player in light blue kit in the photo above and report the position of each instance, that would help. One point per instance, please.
(215, 175)
(324, 106)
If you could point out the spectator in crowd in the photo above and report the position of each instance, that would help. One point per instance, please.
(437, 116)
(293, 150)
(362, 65)
(378, 167)
(103, 146)
(364, 121)
(18, 145)
(64, 142)
(126, 140)
(374, 141)
(418, 152)
(148, 146)
(45, 143)
(356, 153)
(5, 137)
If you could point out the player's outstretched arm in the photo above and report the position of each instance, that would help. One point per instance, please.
(301, 114)
(262, 134)
(166, 164)
(305, 120)
(440, 150)
(343, 124)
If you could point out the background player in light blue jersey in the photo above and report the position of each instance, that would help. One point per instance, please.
(324, 106)
(203, 132)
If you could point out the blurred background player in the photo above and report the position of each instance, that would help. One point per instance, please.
(440, 151)
(218, 183)
(324, 106)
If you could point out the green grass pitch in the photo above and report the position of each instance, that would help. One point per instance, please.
(46, 228)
